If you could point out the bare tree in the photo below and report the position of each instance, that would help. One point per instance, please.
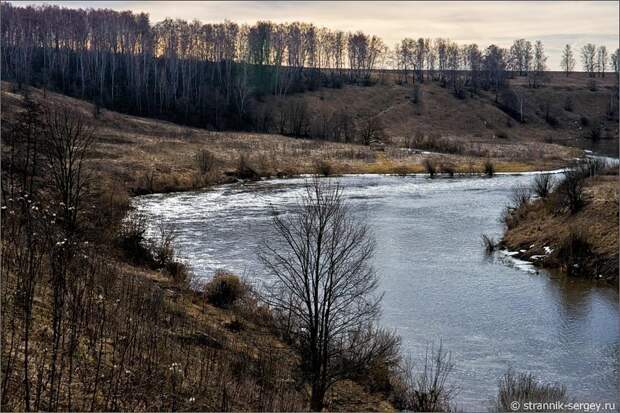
(568, 60)
(615, 61)
(325, 286)
(68, 142)
(601, 60)
(588, 55)
(536, 74)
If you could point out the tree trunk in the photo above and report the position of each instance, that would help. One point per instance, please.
(316, 399)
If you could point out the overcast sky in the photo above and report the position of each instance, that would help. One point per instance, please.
(556, 23)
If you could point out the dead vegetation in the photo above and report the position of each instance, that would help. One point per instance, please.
(146, 156)
(96, 316)
(572, 224)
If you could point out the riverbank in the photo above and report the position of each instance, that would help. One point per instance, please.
(583, 243)
(140, 155)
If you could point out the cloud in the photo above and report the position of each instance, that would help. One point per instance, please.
(556, 23)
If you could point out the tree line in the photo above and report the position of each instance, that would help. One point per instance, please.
(217, 75)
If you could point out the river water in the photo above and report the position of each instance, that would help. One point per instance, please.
(491, 313)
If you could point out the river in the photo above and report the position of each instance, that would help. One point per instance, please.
(491, 313)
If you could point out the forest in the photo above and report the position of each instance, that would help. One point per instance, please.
(218, 76)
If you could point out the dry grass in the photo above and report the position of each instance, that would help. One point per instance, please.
(476, 120)
(541, 226)
(146, 155)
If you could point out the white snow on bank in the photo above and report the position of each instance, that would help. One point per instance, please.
(522, 265)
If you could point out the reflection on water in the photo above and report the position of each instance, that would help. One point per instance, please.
(437, 282)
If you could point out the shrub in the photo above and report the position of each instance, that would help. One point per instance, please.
(382, 366)
(570, 191)
(447, 168)
(430, 167)
(568, 104)
(502, 134)
(508, 217)
(224, 289)
(542, 185)
(426, 390)
(522, 388)
(595, 132)
(489, 244)
(245, 171)
(323, 167)
(178, 271)
(552, 121)
(489, 168)
(205, 161)
(132, 241)
(436, 144)
(584, 121)
(573, 253)
(520, 196)
(401, 170)
(163, 246)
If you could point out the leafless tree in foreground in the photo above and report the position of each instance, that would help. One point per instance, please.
(325, 288)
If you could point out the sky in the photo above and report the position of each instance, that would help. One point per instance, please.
(556, 23)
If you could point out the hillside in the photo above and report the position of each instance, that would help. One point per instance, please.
(148, 155)
(565, 110)
(97, 317)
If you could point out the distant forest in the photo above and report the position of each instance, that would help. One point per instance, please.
(218, 76)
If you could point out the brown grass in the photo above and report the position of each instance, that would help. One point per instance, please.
(146, 155)
(541, 226)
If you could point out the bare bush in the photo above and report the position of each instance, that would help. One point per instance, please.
(323, 167)
(205, 161)
(542, 185)
(570, 191)
(436, 144)
(488, 168)
(426, 390)
(163, 245)
(224, 289)
(520, 196)
(489, 244)
(574, 252)
(245, 170)
(590, 167)
(430, 166)
(447, 168)
(132, 240)
(522, 388)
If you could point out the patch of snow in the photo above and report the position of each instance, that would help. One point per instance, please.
(521, 265)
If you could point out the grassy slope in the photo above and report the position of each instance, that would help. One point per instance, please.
(478, 119)
(597, 222)
(147, 155)
(241, 340)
